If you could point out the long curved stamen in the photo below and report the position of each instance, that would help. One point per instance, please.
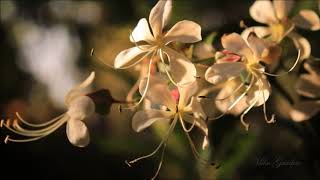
(231, 94)
(161, 161)
(167, 72)
(17, 129)
(37, 125)
(226, 97)
(100, 59)
(135, 87)
(124, 67)
(34, 134)
(146, 88)
(272, 119)
(37, 132)
(281, 74)
(235, 102)
(133, 90)
(164, 141)
(246, 125)
(183, 125)
(195, 152)
(135, 42)
(287, 32)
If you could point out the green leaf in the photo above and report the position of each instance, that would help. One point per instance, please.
(210, 38)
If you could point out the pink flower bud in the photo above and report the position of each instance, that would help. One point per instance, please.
(175, 94)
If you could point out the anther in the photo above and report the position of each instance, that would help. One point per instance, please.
(6, 140)
(247, 127)
(1, 123)
(128, 163)
(92, 52)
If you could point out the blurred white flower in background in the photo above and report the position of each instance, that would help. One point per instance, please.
(49, 54)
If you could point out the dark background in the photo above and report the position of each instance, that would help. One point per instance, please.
(112, 140)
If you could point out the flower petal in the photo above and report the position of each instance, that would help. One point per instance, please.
(260, 31)
(128, 55)
(182, 70)
(159, 16)
(77, 133)
(158, 91)
(301, 44)
(229, 97)
(263, 12)
(221, 72)
(77, 91)
(185, 32)
(186, 92)
(282, 8)
(260, 92)
(236, 44)
(196, 108)
(308, 85)
(264, 50)
(144, 119)
(142, 32)
(81, 108)
(307, 19)
(304, 110)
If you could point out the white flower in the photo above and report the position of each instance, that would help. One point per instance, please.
(166, 106)
(246, 86)
(308, 85)
(185, 109)
(275, 15)
(80, 107)
(182, 70)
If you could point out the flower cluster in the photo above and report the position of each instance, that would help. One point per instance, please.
(169, 80)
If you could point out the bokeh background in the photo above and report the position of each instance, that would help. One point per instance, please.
(45, 50)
